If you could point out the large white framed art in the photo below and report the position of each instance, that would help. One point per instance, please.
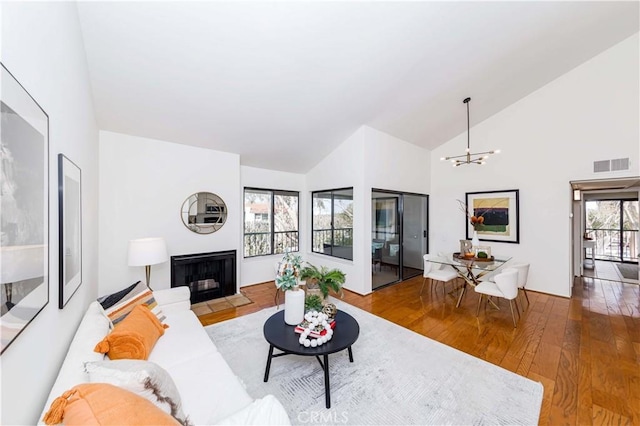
(24, 215)
(500, 213)
(70, 229)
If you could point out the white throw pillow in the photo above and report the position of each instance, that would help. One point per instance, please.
(143, 378)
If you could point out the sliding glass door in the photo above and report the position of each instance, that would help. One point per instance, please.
(613, 224)
(414, 234)
(398, 236)
(385, 238)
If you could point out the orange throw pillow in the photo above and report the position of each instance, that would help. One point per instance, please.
(134, 337)
(103, 404)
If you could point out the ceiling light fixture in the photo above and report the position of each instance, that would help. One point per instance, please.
(468, 157)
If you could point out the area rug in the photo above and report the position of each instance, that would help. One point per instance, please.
(398, 378)
(628, 271)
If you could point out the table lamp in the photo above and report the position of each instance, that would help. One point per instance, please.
(146, 252)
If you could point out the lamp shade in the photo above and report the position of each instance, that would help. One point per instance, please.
(147, 251)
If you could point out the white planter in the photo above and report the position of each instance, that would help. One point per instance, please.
(475, 242)
(293, 306)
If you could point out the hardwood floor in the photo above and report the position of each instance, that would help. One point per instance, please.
(585, 350)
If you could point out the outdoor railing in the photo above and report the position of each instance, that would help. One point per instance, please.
(341, 237)
(259, 243)
(608, 244)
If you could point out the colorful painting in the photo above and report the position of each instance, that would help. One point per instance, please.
(498, 215)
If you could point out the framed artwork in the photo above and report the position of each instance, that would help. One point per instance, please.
(24, 197)
(500, 215)
(70, 229)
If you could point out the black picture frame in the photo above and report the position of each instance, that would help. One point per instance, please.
(501, 213)
(24, 224)
(69, 229)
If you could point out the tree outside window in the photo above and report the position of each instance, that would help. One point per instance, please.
(270, 222)
(613, 224)
(332, 222)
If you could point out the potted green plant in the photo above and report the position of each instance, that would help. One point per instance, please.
(313, 302)
(324, 278)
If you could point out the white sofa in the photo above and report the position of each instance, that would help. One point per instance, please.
(210, 392)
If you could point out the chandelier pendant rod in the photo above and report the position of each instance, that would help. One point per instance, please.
(466, 101)
(465, 155)
(469, 157)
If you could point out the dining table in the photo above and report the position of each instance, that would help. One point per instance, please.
(470, 269)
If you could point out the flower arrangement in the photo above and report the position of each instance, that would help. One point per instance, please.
(288, 271)
(475, 221)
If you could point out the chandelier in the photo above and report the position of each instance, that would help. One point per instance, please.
(469, 157)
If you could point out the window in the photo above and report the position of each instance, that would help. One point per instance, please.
(332, 222)
(613, 224)
(270, 221)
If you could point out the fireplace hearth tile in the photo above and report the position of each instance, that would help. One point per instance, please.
(219, 304)
(238, 300)
(201, 308)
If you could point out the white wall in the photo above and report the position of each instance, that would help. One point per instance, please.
(259, 269)
(42, 47)
(368, 159)
(392, 164)
(143, 183)
(344, 168)
(547, 139)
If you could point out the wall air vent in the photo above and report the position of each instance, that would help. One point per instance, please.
(614, 165)
(620, 164)
(601, 166)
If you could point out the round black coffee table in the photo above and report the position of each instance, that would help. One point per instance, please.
(283, 337)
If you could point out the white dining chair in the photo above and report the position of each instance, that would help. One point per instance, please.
(505, 285)
(435, 273)
(523, 274)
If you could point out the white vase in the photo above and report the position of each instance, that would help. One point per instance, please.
(293, 306)
(475, 242)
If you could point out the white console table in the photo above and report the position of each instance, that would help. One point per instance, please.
(591, 245)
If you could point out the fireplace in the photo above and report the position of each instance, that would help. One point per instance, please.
(208, 275)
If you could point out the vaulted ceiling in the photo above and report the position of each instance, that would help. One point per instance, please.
(284, 83)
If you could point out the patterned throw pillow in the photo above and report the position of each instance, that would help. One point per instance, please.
(118, 305)
(104, 404)
(144, 378)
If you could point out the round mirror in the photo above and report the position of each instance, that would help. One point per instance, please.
(204, 213)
